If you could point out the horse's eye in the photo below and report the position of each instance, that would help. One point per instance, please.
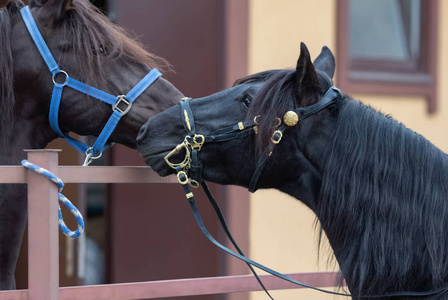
(101, 51)
(246, 101)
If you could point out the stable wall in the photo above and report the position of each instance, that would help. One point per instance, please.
(283, 234)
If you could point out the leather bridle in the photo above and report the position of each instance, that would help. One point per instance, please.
(193, 142)
(191, 167)
(120, 104)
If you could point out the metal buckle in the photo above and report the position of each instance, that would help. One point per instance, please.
(122, 98)
(276, 137)
(61, 72)
(184, 180)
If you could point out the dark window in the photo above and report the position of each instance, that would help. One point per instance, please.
(388, 46)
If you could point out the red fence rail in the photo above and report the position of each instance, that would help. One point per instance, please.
(43, 259)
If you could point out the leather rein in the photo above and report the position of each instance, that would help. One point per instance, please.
(120, 104)
(189, 173)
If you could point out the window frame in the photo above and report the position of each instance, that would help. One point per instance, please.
(396, 78)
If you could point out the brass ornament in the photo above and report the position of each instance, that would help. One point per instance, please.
(290, 118)
(279, 122)
(187, 119)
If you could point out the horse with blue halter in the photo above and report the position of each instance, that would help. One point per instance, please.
(378, 189)
(64, 67)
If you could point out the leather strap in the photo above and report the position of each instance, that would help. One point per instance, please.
(240, 256)
(327, 99)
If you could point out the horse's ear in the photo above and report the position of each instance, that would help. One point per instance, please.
(325, 62)
(306, 76)
(55, 9)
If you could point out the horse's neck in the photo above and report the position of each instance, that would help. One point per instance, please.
(25, 133)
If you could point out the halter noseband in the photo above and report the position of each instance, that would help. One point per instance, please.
(120, 104)
(191, 165)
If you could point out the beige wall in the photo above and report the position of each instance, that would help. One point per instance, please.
(282, 230)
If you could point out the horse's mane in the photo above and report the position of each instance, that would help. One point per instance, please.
(94, 39)
(383, 201)
(277, 96)
(6, 71)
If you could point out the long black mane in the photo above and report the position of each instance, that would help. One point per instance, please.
(6, 67)
(94, 40)
(384, 198)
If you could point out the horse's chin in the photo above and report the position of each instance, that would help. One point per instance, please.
(158, 164)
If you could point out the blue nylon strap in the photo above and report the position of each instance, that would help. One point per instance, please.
(39, 41)
(53, 117)
(91, 91)
(78, 145)
(140, 87)
(137, 90)
(100, 143)
(54, 109)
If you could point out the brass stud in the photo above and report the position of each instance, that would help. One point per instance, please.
(290, 118)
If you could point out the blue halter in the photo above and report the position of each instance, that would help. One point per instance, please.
(120, 104)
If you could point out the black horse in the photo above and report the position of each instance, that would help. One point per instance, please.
(92, 50)
(378, 189)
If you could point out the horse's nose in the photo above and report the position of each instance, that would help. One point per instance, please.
(160, 129)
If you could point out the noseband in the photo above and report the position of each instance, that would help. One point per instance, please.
(191, 165)
(120, 104)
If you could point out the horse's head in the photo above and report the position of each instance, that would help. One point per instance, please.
(260, 102)
(91, 49)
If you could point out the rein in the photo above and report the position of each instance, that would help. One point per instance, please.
(120, 104)
(189, 173)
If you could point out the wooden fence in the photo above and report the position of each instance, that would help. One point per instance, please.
(43, 252)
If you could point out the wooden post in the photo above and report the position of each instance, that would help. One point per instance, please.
(43, 250)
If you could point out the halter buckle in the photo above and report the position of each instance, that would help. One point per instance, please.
(122, 99)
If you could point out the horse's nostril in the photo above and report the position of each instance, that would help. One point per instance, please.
(141, 134)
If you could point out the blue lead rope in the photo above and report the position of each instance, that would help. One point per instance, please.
(62, 198)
